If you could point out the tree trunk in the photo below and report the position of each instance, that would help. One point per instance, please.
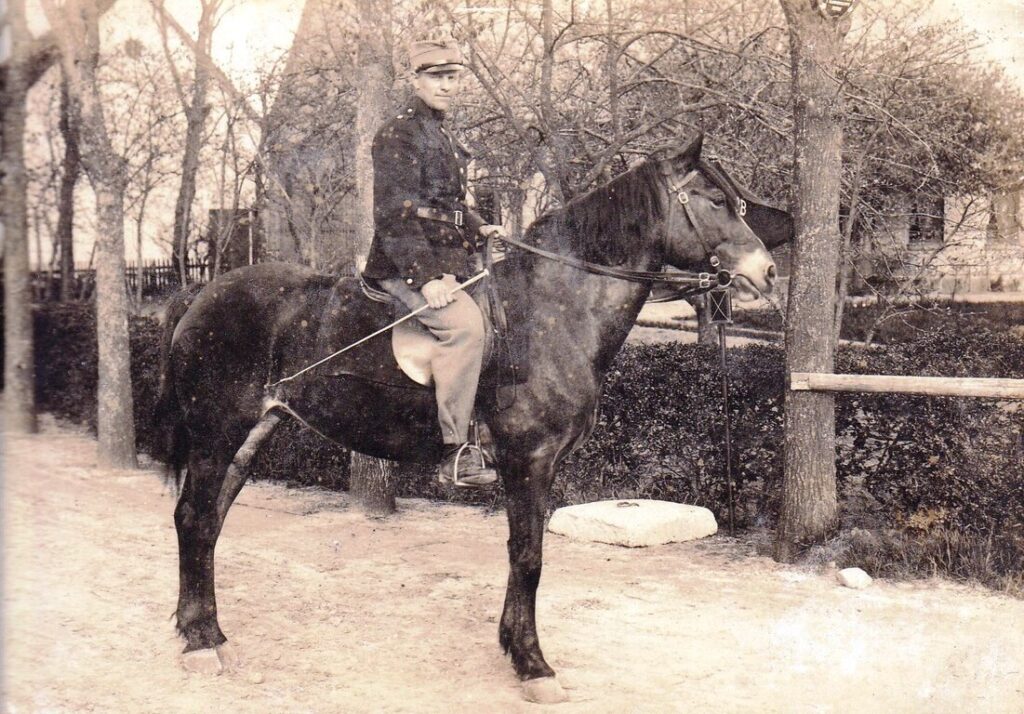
(373, 483)
(371, 480)
(19, 372)
(66, 200)
(847, 265)
(140, 220)
(549, 154)
(115, 423)
(196, 111)
(77, 24)
(846, 262)
(809, 508)
(612, 70)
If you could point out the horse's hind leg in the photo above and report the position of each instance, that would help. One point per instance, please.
(210, 489)
(526, 489)
(195, 519)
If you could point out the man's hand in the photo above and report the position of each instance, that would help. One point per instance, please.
(492, 231)
(438, 293)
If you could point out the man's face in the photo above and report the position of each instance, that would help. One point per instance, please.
(437, 89)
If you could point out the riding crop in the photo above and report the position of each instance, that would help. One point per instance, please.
(417, 311)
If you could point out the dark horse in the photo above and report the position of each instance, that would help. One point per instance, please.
(254, 325)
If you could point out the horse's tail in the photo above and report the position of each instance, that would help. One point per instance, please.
(173, 443)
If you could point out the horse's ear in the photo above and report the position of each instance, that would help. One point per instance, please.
(670, 157)
(692, 152)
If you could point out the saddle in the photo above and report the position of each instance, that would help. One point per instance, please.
(402, 356)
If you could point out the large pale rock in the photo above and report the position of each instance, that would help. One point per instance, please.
(853, 578)
(633, 523)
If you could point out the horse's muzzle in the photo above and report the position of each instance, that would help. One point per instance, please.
(747, 287)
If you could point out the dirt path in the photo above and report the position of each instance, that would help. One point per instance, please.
(336, 613)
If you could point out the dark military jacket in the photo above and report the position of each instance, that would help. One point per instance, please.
(420, 168)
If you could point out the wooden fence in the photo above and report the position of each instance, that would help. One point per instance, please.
(888, 384)
(158, 277)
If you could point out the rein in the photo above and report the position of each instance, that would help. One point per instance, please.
(678, 278)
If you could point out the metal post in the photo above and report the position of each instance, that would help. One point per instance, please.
(728, 427)
(719, 307)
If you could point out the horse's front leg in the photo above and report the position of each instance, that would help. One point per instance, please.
(527, 486)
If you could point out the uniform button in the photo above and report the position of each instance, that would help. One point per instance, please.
(408, 281)
(466, 245)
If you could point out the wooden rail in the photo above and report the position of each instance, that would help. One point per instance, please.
(932, 386)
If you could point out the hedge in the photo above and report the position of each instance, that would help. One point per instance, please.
(918, 464)
(908, 323)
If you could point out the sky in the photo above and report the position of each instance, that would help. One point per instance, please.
(998, 23)
(250, 29)
(260, 26)
(254, 29)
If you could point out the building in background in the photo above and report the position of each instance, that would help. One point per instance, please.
(952, 245)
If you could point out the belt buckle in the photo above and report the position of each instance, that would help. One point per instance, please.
(458, 218)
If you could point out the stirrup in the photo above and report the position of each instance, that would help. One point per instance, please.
(466, 471)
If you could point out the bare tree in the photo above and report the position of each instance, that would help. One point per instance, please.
(76, 23)
(196, 108)
(43, 168)
(19, 397)
(70, 168)
(372, 481)
(230, 181)
(809, 505)
(143, 130)
(29, 58)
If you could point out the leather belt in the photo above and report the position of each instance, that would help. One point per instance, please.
(436, 214)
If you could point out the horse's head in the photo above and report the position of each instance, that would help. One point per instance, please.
(705, 223)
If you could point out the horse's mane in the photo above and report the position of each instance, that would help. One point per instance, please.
(605, 223)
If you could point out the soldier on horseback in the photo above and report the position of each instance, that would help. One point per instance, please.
(426, 241)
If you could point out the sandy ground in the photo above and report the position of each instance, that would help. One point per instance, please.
(334, 612)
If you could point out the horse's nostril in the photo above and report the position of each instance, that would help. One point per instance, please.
(771, 273)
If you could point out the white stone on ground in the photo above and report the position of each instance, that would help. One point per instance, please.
(633, 523)
(853, 578)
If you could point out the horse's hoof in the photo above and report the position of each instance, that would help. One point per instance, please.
(544, 690)
(228, 657)
(202, 662)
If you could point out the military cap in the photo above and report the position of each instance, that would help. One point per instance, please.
(435, 56)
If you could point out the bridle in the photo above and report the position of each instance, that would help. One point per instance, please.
(683, 283)
(721, 180)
